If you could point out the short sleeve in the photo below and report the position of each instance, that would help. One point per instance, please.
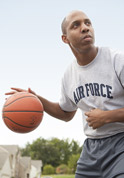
(119, 66)
(65, 102)
(122, 76)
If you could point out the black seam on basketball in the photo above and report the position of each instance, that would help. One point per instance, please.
(19, 124)
(24, 111)
(18, 99)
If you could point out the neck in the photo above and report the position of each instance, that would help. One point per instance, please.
(86, 56)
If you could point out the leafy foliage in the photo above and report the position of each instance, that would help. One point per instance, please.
(62, 169)
(72, 163)
(53, 151)
(48, 169)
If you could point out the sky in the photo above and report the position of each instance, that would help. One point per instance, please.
(33, 55)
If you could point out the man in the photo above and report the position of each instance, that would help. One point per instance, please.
(94, 83)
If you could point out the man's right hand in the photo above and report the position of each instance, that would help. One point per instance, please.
(15, 90)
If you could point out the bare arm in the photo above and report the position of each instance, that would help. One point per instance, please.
(51, 108)
(54, 110)
(97, 118)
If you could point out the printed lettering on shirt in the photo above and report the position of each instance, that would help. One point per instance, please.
(92, 89)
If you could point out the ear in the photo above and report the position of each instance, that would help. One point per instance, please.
(64, 39)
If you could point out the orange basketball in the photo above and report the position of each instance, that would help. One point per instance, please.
(22, 112)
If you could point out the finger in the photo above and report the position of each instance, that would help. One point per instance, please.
(90, 125)
(87, 113)
(88, 120)
(92, 109)
(31, 91)
(18, 89)
(10, 93)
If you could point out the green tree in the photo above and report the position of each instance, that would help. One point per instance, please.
(42, 149)
(72, 162)
(75, 148)
(53, 151)
(64, 150)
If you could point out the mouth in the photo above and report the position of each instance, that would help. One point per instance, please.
(87, 37)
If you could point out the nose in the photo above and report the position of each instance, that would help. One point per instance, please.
(84, 28)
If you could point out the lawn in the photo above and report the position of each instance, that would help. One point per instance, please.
(58, 176)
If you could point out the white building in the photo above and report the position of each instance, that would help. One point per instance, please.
(14, 156)
(5, 164)
(36, 166)
(12, 165)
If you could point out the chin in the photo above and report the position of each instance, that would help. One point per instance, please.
(87, 47)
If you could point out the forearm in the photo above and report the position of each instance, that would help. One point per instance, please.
(54, 110)
(97, 117)
(116, 115)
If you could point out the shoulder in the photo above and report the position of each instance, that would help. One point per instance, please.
(113, 52)
(113, 55)
(117, 60)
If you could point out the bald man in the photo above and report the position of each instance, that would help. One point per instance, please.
(94, 83)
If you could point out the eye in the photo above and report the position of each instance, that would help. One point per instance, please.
(75, 25)
(88, 23)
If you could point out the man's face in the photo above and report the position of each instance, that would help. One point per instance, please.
(79, 31)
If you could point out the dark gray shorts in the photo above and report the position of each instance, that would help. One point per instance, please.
(102, 158)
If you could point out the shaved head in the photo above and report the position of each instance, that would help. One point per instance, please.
(65, 20)
(63, 26)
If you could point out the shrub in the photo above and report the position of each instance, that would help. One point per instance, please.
(62, 169)
(48, 169)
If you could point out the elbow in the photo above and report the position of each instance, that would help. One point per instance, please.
(68, 119)
(68, 116)
(65, 118)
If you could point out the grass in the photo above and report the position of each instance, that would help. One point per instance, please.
(59, 176)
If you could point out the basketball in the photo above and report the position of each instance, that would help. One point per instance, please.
(22, 112)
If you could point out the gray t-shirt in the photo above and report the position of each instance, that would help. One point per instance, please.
(100, 84)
